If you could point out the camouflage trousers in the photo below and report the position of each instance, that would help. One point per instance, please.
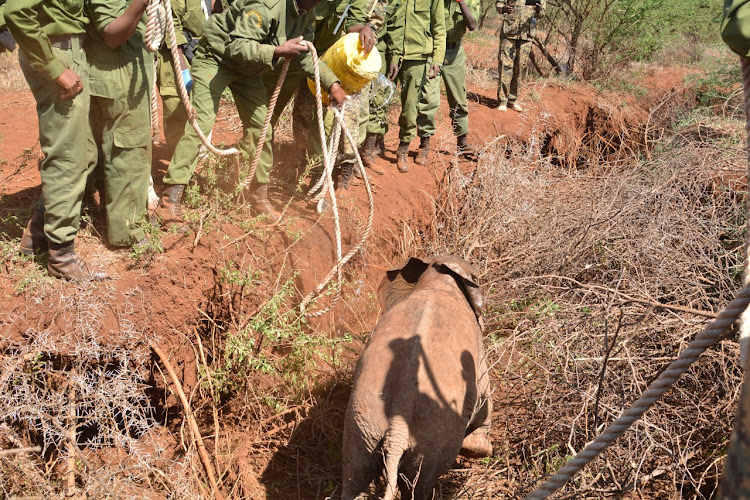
(511, 56)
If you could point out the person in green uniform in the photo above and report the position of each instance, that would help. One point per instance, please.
(50, 34)
(519, 19)
(188, 17)
(120, 74)
(459, 16)
(250, 37)
(355, 16)
(424, 51)
(390, 45)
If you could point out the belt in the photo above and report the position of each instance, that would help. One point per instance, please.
(453, 45)
(65, 42)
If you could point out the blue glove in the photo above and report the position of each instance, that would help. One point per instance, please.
(187, 79)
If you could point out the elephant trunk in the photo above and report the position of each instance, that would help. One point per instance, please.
(394, 445)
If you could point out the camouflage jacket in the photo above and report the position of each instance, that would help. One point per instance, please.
(522, 22)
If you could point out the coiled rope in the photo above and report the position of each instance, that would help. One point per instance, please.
(708, 337)
(160, 23)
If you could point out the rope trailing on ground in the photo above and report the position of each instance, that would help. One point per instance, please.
(158, 22)
(708, 337)
(325, 183)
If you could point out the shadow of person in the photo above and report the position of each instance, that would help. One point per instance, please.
(437, 403)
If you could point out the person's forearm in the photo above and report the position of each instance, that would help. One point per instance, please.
(471, 22)
(122, 28)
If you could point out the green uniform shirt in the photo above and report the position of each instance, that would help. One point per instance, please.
(101, 13)
(2, 15)
(243, 37)
(328, 14)
(424, 30)
(518, 24)
(32, 21)
(455, 26)
(188, 15)
(391, 36)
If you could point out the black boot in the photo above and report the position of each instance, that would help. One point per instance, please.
(463, 146)
(169, 211)
(33, 239)
(65, 264)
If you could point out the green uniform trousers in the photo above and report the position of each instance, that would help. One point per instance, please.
(65, 140)
(413, 76)
(454, 78)
(174, 114)
(121, 110)
(305, 122)
(511, 56)
(210, 79)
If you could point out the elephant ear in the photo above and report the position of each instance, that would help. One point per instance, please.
(400, 281)
(465, 276)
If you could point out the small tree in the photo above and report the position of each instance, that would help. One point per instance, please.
(593, 37)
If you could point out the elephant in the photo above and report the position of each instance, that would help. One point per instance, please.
(421, 389)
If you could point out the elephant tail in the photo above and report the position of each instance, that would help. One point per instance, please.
(394, 445)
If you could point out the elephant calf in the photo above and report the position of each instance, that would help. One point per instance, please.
(421, 387)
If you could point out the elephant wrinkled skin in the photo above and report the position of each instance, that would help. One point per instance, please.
(421, 387)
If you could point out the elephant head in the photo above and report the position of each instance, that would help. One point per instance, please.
(400, 280)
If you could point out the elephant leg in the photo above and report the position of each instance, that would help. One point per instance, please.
(358, 474)
(477, 443)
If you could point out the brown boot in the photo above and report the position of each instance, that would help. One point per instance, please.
(463, 146)
(259, 201)
(424, 151)
(169, 211)
(401, 155)
(63, 263)
(369, 153)
(33, 239)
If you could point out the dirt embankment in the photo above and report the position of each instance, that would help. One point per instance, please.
(184, 290)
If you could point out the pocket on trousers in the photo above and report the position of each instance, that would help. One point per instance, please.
(102, 88)
(132, 138)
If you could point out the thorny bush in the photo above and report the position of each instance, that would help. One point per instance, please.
(580, 268)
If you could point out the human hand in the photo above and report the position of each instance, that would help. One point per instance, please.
(434, 71)
(393, 71)
(337, 94)
(290, 49)
(368, 39)
(508, 9)
(187, 79)
(70, 84)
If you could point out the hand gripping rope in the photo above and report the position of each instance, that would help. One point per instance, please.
(708, 337)
(325, 184)
(160, 23)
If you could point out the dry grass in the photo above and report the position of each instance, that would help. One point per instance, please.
(11, 77)
(576, 266)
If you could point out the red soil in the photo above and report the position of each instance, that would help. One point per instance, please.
(165, 298)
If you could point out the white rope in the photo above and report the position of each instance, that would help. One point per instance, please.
(158, 22)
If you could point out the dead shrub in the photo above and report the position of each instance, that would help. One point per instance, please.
(581, 269)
